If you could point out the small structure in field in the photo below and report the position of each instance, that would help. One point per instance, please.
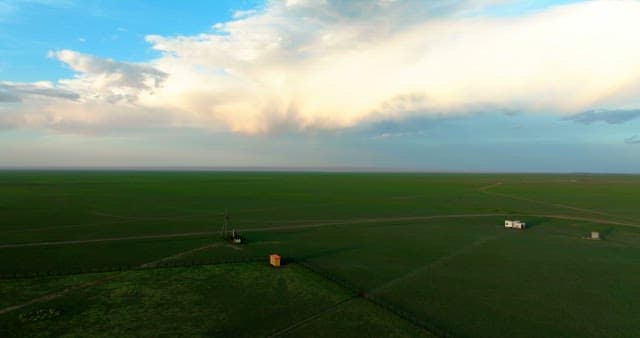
(275, 260)
(595, 235)
(235, 236)
(514, 224)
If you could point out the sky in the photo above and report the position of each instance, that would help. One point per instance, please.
(455, 86)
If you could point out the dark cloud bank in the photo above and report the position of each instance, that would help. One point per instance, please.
(611, 116)
(635, 139)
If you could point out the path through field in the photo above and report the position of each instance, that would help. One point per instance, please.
(487, 190)
(99, 281)
(85, 225)
(54, 295)
(311, 318)
(434, 264)
(316, 225)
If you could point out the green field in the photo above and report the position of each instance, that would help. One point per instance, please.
(368, 254)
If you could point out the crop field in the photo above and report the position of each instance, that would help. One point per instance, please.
(90, 253)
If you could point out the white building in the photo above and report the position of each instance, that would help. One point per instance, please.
(514, 224)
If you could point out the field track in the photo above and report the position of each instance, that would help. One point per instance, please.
(316, 225)
(102, 280)
(311, 318)
(487, 190)
(434, 264)
(55, 295)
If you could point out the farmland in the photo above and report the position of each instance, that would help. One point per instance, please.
(139, 253)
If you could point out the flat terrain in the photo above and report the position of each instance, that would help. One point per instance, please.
(368, 254)
(246, 299)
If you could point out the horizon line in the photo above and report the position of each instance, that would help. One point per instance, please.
(295, 169)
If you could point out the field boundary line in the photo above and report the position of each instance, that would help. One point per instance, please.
(87, 225)
(486, 190)
(371, 298)
(55, 295)
(369, 221)
(274, 228)
(144, 218)
(437, 262)
(109, 239)
(312, 317)
(177, 256)
(583, 219)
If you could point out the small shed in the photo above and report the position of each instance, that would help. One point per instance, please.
(514, 224)
(595, 235)
(274, 259)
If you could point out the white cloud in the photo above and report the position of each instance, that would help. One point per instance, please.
(333, 64)
(14, 92)
(106, 79)
(103, 96)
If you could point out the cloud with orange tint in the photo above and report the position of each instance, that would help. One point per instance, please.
(303, 65)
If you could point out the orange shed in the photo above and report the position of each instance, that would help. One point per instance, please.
(274, 260)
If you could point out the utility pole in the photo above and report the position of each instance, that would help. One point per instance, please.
(226, 224)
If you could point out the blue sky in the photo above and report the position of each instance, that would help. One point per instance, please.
(113, 29)
(486, 85)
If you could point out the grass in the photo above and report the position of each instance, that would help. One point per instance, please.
(245, 300)
(18, 291)
(357, 318)
(104, 255)
(522, 284)
(382, 233)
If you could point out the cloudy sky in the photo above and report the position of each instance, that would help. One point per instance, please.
(478, 85)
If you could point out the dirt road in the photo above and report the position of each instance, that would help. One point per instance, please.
(319, 224)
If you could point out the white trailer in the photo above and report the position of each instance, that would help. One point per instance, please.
(514, 224)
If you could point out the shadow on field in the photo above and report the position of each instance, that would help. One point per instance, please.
(533, 222)
(324, 253)
(606, 232)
